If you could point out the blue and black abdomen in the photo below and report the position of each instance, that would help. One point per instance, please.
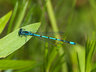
(27, 33)
(73, 43)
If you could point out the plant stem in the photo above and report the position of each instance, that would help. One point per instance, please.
(13, 17)
(21, 15)
(55, 29)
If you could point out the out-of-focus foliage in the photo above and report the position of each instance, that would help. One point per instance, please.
(73, 20)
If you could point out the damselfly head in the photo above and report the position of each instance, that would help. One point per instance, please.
(20, 32)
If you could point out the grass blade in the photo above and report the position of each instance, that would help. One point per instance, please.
(13, 17)
(91, 46)
(21, 15)
(4, 20)
(80, 57)
(55, 29)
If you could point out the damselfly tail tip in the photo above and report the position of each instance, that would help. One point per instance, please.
(73, 43)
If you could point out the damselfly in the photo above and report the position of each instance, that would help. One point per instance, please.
(28, 33)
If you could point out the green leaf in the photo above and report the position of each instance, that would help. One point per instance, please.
(16, 64)
(21, 15)
(28, 17)
(56, 66)
(91, 46)
(12, 41)
(81, 57)
(12, 18)
(93, 67)
(27, 69)
(4, 20)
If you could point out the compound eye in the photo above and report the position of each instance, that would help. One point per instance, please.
(20, 29)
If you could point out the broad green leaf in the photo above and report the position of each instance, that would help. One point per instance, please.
(4, 20)
(16, 64)
(12, 41)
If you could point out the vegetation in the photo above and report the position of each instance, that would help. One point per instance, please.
(72, 20)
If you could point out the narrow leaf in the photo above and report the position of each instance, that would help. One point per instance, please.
(21, 15)
(4, 20)
(13, 17)
(91, 46)
(81, 57)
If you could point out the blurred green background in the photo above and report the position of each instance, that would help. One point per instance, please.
(73, 20)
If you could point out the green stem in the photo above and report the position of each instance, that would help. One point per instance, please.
(21, 15)
(12, 19)
(55, 29)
